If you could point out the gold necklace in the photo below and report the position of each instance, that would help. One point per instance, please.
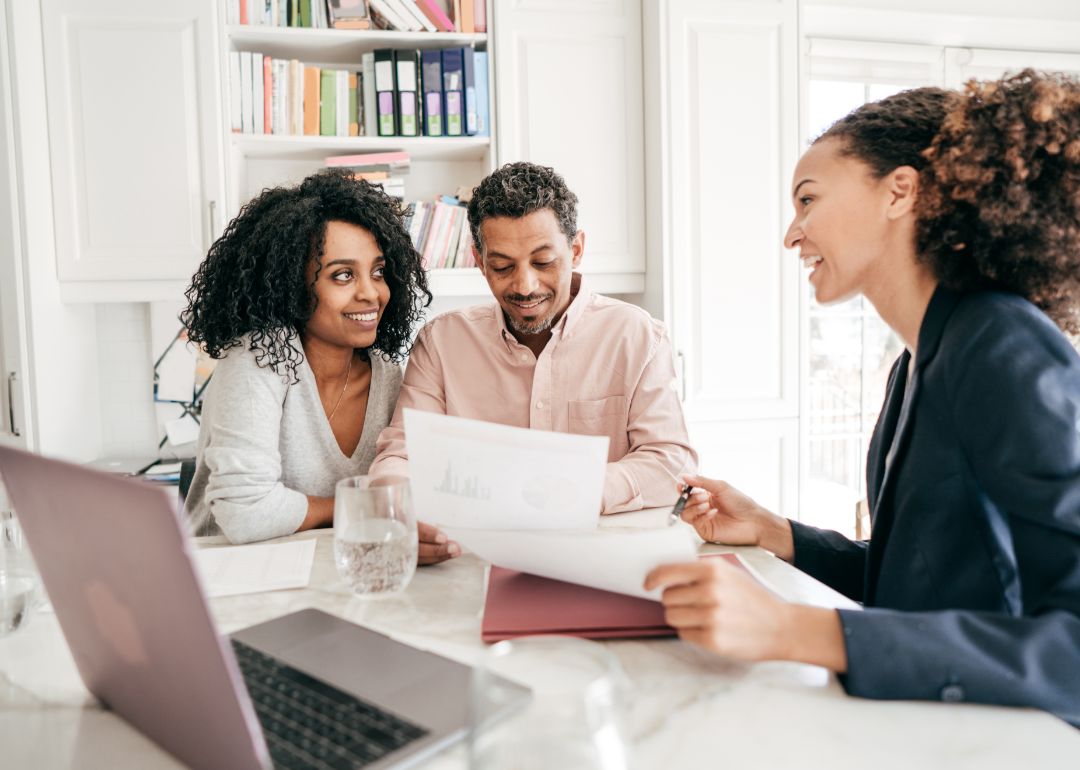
(331, 417)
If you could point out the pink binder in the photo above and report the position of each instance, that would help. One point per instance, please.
(519, 604)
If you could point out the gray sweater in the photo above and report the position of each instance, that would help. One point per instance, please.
(265, 445)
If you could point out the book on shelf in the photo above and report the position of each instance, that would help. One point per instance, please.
(394, 161)
(467, 16)
(393, 92)
(440, 233)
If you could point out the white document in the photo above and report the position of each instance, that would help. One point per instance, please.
(616, 563)
(252, 569)
(481, 475)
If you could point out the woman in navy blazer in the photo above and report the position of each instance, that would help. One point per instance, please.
(958, 217)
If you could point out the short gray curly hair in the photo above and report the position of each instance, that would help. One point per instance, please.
(517, 190)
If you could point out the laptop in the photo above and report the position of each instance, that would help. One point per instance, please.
(307, 690)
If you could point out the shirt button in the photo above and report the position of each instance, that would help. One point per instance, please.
(524, 356)
(539, 404)
(952, 693)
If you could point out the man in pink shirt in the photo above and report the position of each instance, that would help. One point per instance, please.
(548, 354)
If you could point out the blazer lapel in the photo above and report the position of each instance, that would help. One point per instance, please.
(899, 411)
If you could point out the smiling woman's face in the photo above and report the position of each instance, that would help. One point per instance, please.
(352, 291)
(841, 227)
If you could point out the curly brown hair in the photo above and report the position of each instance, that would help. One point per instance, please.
(999, 168)
(519, 189)
(253, 281)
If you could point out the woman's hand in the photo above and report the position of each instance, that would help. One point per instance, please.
(434, 545)
(715, 606)
(722, 514)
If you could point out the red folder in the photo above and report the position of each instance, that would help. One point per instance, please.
(519, 604)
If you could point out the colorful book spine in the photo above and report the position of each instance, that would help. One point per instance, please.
(246, 92)
(328, 102)
(367, 63)
(354, 106)
(311, 100)
(268, 95)
(436, 223)
(431, 78)
(431, 9)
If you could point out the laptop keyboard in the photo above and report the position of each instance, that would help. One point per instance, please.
(310, 725)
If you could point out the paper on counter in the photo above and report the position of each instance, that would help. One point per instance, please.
(468, 473)
(252, 569)
(616, 563)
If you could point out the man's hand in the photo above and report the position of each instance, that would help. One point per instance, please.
(435, 546)
(722, 514)
(715, 606)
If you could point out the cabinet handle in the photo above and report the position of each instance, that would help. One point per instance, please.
(11, 404)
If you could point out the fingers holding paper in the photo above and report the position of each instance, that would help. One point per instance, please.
(715, 606)
(435, 546)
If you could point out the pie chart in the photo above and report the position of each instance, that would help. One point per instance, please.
(549, 492)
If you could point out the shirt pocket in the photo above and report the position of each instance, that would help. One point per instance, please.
(605, 417)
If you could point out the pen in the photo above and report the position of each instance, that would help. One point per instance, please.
(676, 512)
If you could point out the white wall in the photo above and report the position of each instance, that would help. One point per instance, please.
(63, 377)
(129, 420)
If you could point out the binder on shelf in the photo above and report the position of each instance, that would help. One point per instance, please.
(453, 95)
(312, 76)
(371, 114)
(268, 95)
(385, 91)
(328, 102)
(354, 105)
(408, 90)
(246, 93)
(483, 105)
(468, 69)
(431, 77)
(235, 102)
(431, 9)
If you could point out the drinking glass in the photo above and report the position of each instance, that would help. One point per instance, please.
(20, 584)
(574, 719)
(375, 539)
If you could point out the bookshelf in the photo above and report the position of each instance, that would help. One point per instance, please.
(439, 164)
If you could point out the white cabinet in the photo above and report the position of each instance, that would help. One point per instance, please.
(725, 88)
(569, 83)
(133, 102)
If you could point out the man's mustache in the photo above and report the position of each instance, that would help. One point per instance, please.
(523, 300)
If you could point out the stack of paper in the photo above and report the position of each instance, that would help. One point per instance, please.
(250, 569)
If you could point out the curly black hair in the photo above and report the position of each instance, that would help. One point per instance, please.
(252, 280)
(999, 181)
(517, 190)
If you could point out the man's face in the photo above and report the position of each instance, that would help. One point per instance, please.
(529, 267)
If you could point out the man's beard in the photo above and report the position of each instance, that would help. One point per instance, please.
(533, 327)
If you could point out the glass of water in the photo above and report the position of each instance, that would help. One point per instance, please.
(574, 719)
(20, 584)
(375, 538)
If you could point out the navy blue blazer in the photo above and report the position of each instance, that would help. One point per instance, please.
(971, 578)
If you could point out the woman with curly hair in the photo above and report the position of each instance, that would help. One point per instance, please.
(309, 300)
(958, 217)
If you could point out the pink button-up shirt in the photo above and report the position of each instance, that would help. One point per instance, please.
(606, 371)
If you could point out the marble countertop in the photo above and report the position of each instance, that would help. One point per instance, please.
(687, 707)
